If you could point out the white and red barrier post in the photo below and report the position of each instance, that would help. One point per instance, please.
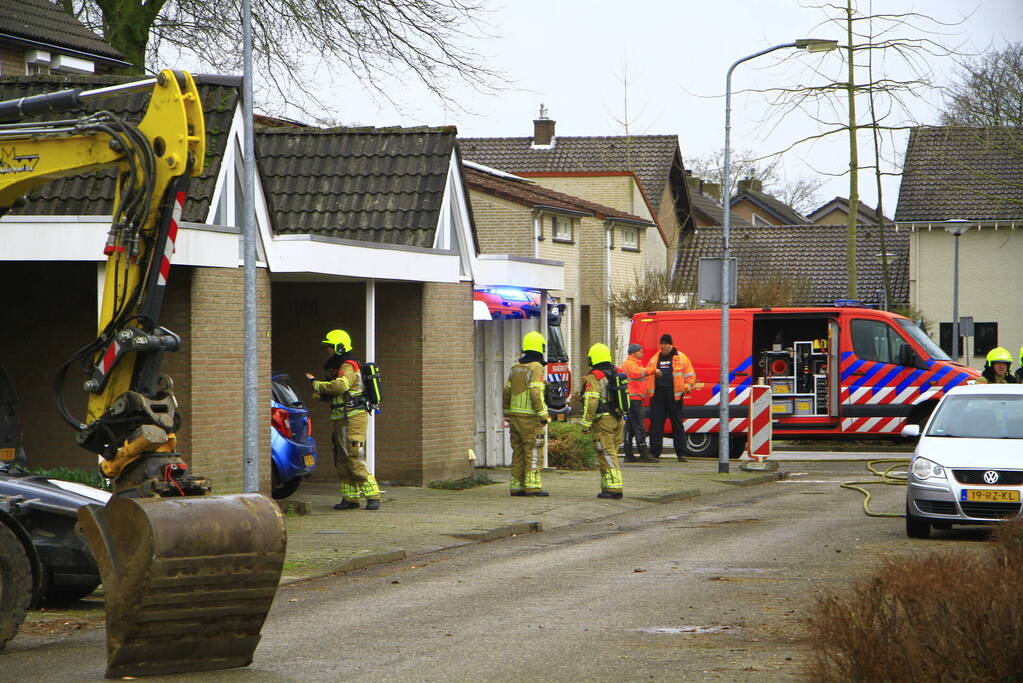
(758, 441)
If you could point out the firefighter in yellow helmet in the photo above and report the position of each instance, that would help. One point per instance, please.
(525, 413)
(996, 370)
(607, 429)
(1019, 370)
(348, 413)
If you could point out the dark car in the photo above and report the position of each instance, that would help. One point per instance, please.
(292, 448)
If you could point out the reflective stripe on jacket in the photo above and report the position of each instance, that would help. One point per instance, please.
(636, 373)
(595, 398)
(524, 389)
(345, 392)
(682, 374)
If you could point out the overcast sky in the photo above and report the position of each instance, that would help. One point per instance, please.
(571, 55)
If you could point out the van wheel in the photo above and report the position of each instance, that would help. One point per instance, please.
(15, 584)
(701, 444)
(736, 446)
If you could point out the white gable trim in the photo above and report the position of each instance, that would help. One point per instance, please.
(454, 227)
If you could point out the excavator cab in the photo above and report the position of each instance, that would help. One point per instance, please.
(188, 577)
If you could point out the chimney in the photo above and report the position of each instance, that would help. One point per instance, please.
(712, 190)
(751, 184)
(543, 129)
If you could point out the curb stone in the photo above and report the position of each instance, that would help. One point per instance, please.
(514, 529)
(759, 479)
(349, 564)
(669, 497)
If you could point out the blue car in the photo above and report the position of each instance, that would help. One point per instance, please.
(292, 449)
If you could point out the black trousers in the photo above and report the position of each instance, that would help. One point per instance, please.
(634, 428)
(663, 406)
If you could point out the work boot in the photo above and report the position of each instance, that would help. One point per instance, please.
(645, 456)
(347, 505)
(629, 457)
(682, 458)
(518, 493)
(542, 494)
(610, 494)
(372, 504)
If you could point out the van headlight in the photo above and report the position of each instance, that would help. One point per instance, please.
(927, 469)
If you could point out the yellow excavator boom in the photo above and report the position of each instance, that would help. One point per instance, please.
(188, 578)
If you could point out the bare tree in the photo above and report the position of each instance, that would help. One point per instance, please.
(988, 90)
(375, 41)
(801, 194)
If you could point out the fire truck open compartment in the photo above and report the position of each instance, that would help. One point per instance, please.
(795, 356)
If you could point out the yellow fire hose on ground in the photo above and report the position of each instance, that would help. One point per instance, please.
(889, 477)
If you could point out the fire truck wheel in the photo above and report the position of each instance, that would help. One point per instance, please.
(15, 584)
(701, 444)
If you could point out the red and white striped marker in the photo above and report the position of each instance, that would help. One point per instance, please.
(759, 441)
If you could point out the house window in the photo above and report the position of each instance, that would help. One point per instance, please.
(630, 238)
(985, 338)
(561, 229)
(758, 220)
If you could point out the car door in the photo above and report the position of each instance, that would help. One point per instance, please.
(874, 388)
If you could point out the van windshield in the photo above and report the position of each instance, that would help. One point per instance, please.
(556, 345)
(918, 335)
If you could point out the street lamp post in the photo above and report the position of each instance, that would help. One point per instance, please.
(957, 227)
(810, 45)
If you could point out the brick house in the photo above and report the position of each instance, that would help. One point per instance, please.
(38, 37)
(641, 175)
(956, 174)
(368, 229)
(705, 198)
(756, 207)
(518, 216)
(836, 212)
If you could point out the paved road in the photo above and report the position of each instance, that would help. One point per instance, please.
(707, 589)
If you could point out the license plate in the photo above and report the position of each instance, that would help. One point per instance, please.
(989, 496)
(6, 454)
(310, 460)
(559, 417)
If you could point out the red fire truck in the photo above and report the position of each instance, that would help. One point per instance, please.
(833, 372)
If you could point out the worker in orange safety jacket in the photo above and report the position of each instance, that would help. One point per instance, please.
(634, 369)
(670, 378)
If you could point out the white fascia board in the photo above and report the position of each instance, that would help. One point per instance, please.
(501, 270)
(82, 238)
(456, 203)
(328, 256)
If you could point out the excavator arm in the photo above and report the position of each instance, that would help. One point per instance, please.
(188, 578)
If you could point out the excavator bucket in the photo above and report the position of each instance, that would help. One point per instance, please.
(187, 581)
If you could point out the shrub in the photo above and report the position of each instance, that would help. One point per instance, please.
(568, 448)
(87, 477)
(478, 479)
(938, 617)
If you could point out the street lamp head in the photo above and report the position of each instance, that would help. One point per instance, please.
(958, 226)
(816, 44)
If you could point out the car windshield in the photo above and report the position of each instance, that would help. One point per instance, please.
(284, 394)
(921, 338)
(985, 416)
(556, 344)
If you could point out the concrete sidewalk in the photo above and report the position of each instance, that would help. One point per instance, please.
(413, 521)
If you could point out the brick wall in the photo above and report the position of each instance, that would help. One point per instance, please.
(746, 209)
(502, 227)
(49, 311)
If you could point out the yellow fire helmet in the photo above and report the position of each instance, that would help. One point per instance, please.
(338, 339)
(534, 341)
(999, 354)
(599, 353)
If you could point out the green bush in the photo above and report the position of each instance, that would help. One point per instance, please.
(87, 477)
(568, 448)
(941, 617)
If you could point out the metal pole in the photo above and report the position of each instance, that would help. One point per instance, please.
(251, 422)
(371, 352)
(955, 299)
(726, 195)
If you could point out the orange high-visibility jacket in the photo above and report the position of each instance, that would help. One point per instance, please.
(682, 373)
(636, 373)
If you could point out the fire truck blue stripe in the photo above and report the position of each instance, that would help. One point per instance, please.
(939, 374)
(887, 379)
(957, 380)
(852, 368)
(865, 376)
(908, 382)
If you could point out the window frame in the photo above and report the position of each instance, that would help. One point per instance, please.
(893, 340)
(557, 219)
(625, 246)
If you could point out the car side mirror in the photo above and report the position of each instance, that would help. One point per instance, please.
(907, 357)
(911, 431)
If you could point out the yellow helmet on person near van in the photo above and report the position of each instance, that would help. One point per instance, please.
(339, 340)
(599, 353)
(999, 354)
(534, 341)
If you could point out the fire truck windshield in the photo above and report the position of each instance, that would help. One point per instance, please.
(555, 345)
(918, 335)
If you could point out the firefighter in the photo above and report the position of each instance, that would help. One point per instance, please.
(350, 417)
(1019, 370)
(670, 377)
(525, 413)
(598, 420)
(636, 372)
(996, 370)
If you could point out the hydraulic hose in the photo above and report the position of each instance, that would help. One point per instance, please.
(888, 477)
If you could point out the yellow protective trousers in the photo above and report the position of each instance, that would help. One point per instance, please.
(527, 442)
(349, 458)
(607, 432)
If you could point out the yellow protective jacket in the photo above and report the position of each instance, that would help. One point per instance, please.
(595, 398)
(345, 392)
(682, 374)
(524, 389)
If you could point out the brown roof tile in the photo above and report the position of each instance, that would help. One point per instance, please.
(45, 22)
